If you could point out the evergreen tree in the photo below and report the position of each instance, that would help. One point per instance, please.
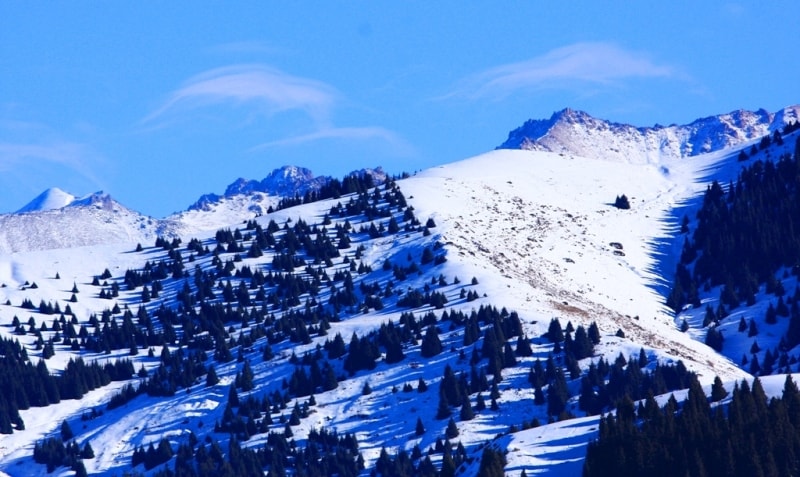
(66, 431)
(523, 346)
(718, 391)
(466, 410)
(443, 409)
(246, 380)
(448, 465)
(554, 332)
(557, 394)
(452, 430)
(621, 202)
(211, 377)
(431, 345)
(420, 428)
(492, 464)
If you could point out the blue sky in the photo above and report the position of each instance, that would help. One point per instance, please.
(160, 102)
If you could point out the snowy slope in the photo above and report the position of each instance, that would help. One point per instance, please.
(575, 132)
(535, 228)
(539, 226)
(509, 218)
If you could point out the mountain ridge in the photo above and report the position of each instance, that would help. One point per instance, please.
(286, 181)
(57, 219)
(570, 131)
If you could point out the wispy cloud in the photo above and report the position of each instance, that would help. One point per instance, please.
(273, 91)
(270, 89)
(398, 145)
(598, 64)
(77, 157)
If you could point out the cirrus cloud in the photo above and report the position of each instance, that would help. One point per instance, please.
(272, 90)
(574, 65)
(27, 145)
(399, 145)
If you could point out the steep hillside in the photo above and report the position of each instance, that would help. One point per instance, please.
(536, 237)
(542, 227)
(499, 302)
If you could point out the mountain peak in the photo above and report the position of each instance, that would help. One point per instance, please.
(100, 200)
(575, 132)
(285, 181)
(570, 115)
(51, 199)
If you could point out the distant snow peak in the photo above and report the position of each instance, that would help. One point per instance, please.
(291, 180)
(99, 200)
(206, 201)
(56, 199)
(571, 131)
(286, 181)
(51, 199)
(60, 220)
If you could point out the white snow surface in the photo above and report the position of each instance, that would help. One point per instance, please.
(538, 227)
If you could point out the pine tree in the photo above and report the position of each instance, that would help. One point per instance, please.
(621, 202)
(246, 380)
(523, 346)
(420, 428)
(557, 394)
(594, 333)
(431, 345)
(753, 330)
(443, 409)
(66, 431)
(211, 377)
(554, 332)
(448, 465)
(80, 469)
(492, 463)
(718, 391)
(452, 430)
(233, 397)
(87, 452)
(466, 410)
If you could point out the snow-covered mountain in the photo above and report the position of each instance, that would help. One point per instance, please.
(530, 231)
(56, 219)
(286, 181)
(575, 132)
(51, 199)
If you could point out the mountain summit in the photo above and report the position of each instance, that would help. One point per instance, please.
(51, 199)
(575, 132)
(286, 181)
